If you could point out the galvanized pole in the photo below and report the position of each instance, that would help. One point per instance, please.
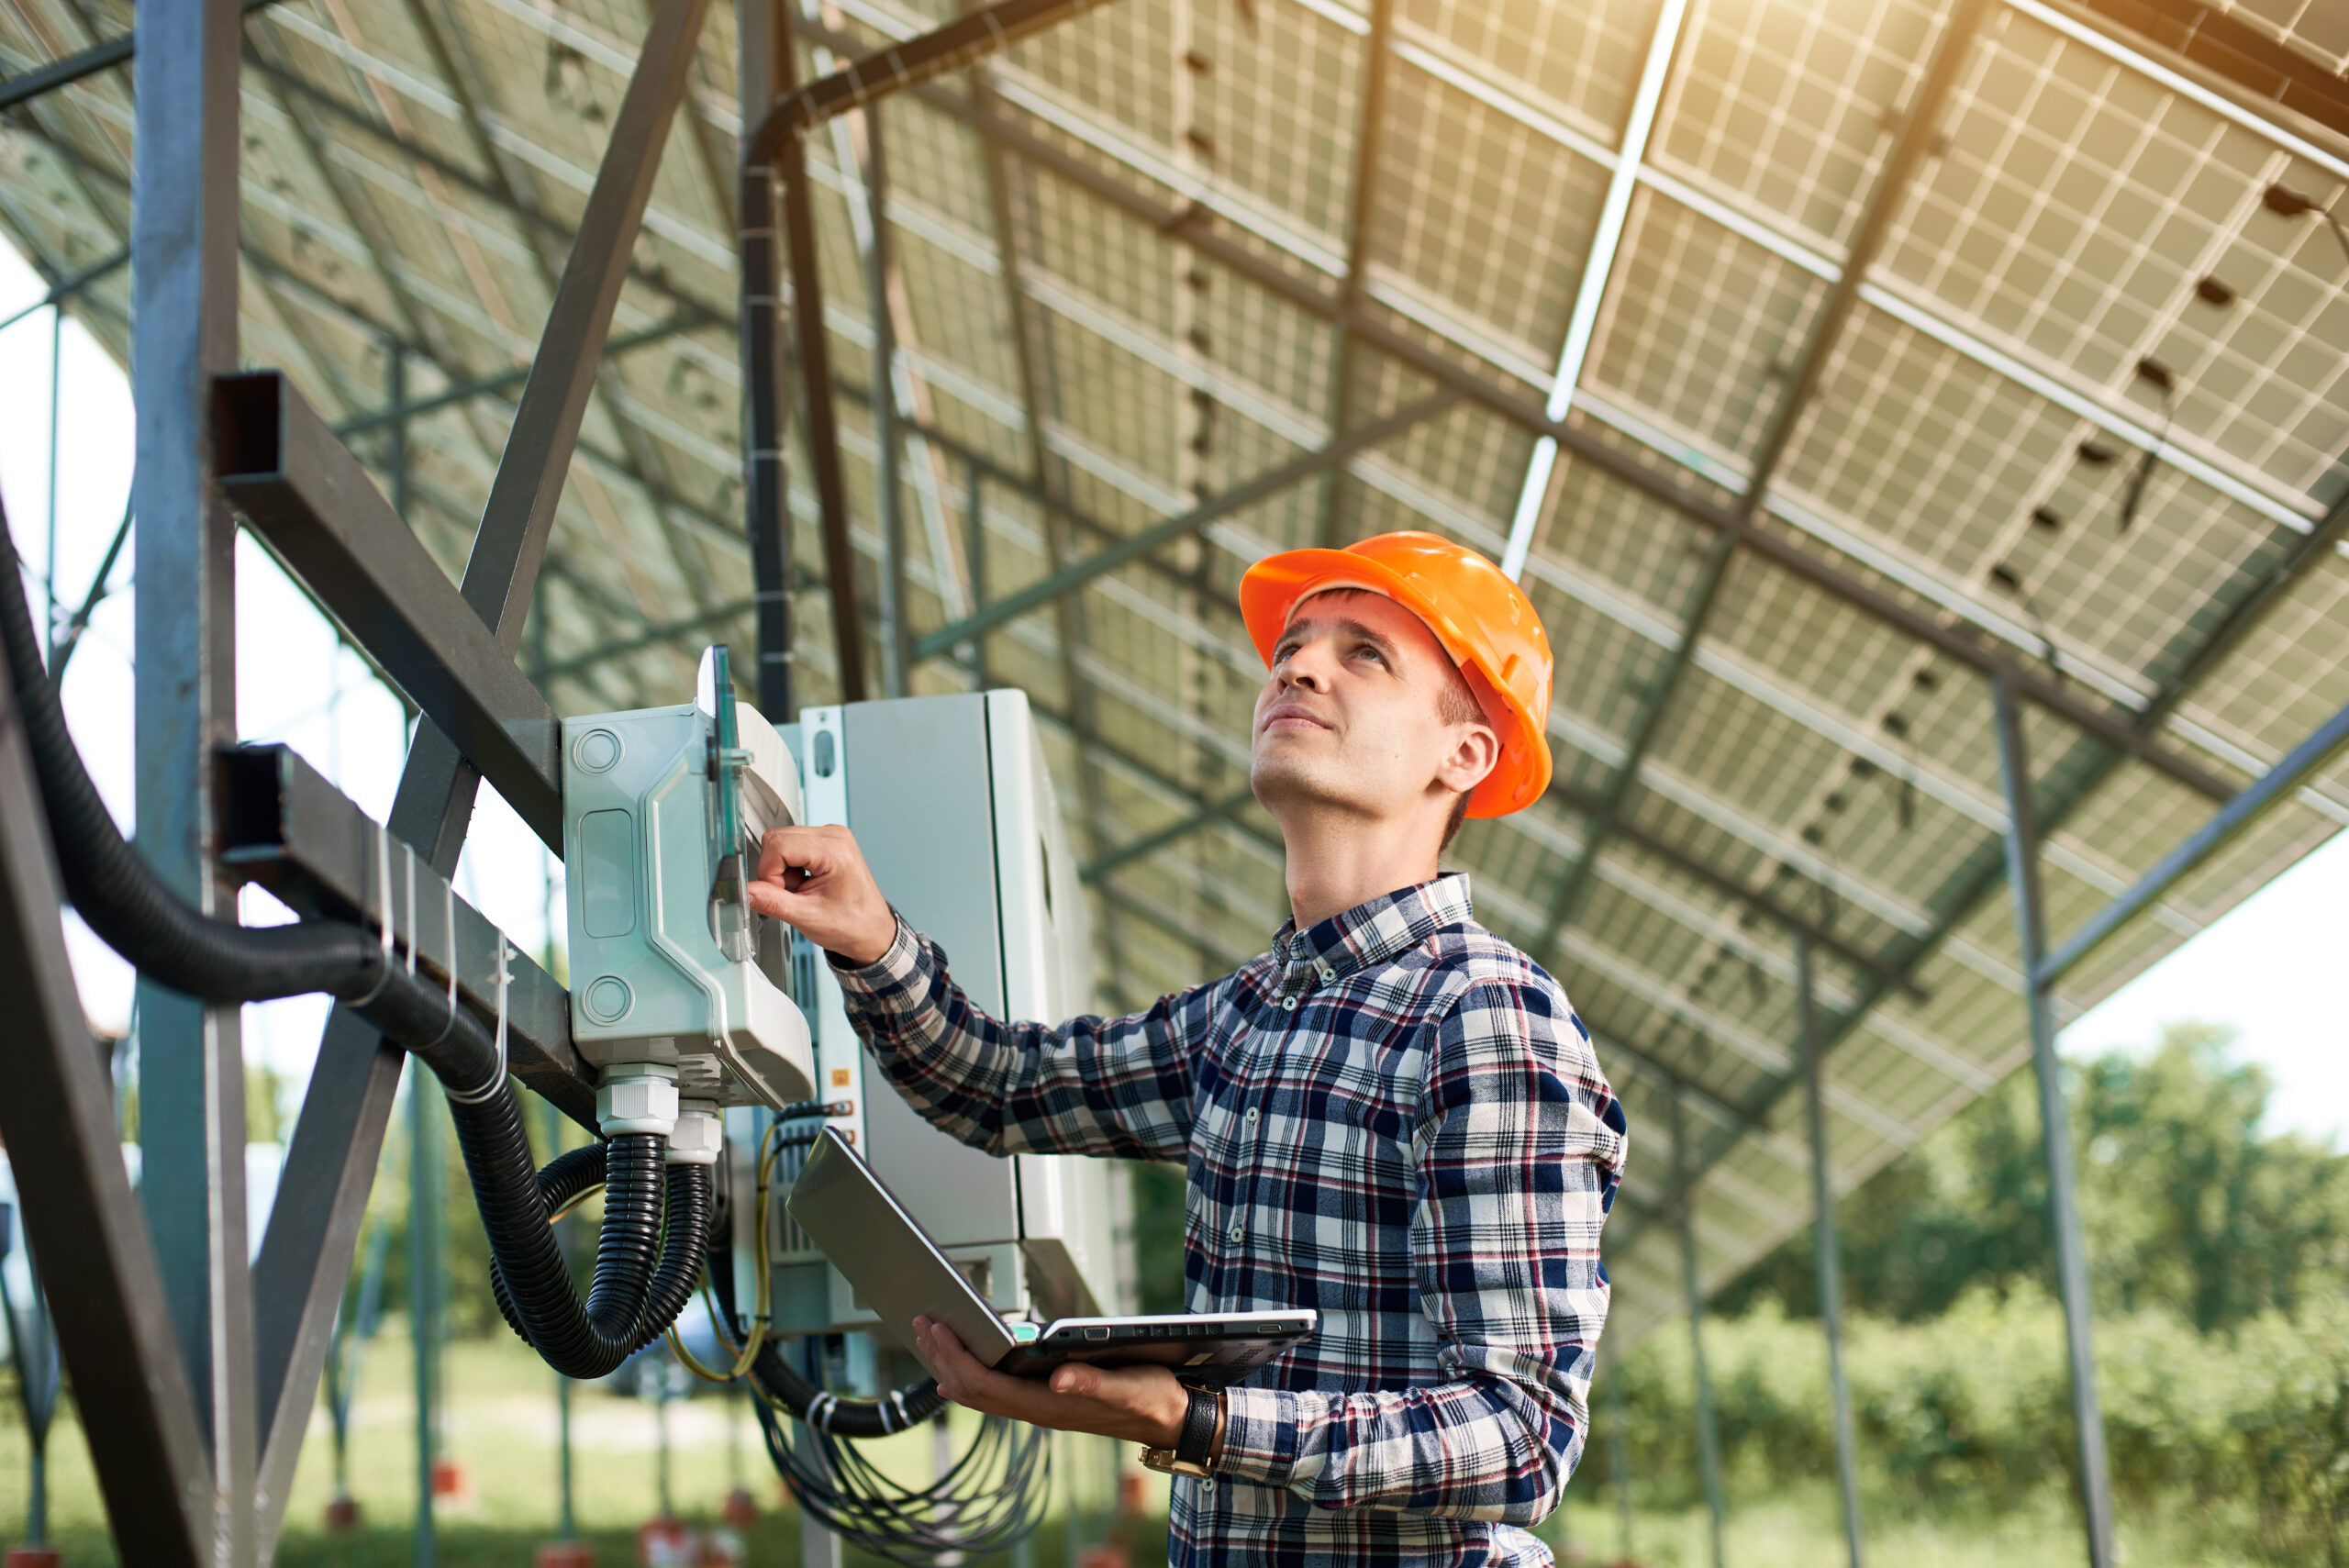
(424, 1215)
(975, 548)
(1619, 1456)
(760, 66)
(1831, 1270)
(1708, 1438)
(192, 1128)
(896, 643)
(49, 560)
(2055, 1129)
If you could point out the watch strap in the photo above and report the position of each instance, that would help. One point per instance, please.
(1198, 1427)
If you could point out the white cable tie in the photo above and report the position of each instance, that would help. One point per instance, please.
(496, 1079)
(383, 912)
(819, 1411)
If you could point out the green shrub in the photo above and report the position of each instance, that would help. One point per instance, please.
(1972, 1410)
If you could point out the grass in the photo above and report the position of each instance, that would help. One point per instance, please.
(500, 1425)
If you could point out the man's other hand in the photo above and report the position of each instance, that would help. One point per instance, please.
(815, 880)
(1134, 1404)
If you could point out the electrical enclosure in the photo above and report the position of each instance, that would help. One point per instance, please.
(666, 965)
(954, 809)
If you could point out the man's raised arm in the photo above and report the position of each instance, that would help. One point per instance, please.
(1091, 1085)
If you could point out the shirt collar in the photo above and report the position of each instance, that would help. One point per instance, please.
(1371, 932)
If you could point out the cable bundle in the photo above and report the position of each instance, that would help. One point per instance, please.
(636, 1292)
(990, 1502)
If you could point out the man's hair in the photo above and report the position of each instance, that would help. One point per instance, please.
(1455, 703)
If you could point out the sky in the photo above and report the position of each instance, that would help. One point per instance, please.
(2270, 969)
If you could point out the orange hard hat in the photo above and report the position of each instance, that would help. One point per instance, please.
(1484, 620)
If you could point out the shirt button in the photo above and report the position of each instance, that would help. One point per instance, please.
(1250, 1117)
(1207, 1486)
(1235, 1231)
(1327, 975)
(1288, 1004)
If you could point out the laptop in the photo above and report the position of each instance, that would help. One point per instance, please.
(871, 1238)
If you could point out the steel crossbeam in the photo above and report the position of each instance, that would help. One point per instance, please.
(287, 828)
(81, 1215)
(324, 517)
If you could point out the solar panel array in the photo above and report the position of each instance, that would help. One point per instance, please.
(2075, 270)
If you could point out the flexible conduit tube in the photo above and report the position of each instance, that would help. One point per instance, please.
(137, 915)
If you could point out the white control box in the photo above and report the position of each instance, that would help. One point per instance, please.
(953, 806)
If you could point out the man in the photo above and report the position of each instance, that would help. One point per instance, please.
(1393, 1117)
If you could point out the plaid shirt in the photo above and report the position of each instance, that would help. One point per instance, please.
(1394, 1117)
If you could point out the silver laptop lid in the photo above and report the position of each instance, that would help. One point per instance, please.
(886, 1254)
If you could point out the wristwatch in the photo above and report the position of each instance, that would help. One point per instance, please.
(1194, 1453)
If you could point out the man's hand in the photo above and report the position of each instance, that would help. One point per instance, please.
(1135, 1404)
(815, 880)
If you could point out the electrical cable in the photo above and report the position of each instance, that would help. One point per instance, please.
(122, 898)
(988, 1502)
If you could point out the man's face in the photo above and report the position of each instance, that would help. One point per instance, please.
(1352, 713)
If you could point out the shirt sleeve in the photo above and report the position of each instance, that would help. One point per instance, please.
(1520, 1147)
(1092, 1085)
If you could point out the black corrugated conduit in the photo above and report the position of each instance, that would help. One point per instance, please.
(131, 908)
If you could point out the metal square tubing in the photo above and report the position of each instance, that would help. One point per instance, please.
(934, 54)
(1830, 1264)
(324, 517)
(81, 1215)
(192, 1086)
(2054, 1133)
(289, 831)
(2275, 786)
(1684, 1214)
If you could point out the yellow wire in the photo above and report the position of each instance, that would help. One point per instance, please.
(768, 1151)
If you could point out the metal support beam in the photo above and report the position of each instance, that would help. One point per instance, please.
(1831, 1267)
(761, 56)
(192, 1125)
(324, 517)
(1598, 269)
(287, 828)
(1378, 61)
(2055, 1134)
(2275, 786)
(934, 54)
(1136, 546)
(81, 1217)
(897, 640)
(788, 157)
(1684, 1214)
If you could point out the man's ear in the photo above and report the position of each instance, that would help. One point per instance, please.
(1475, 753)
